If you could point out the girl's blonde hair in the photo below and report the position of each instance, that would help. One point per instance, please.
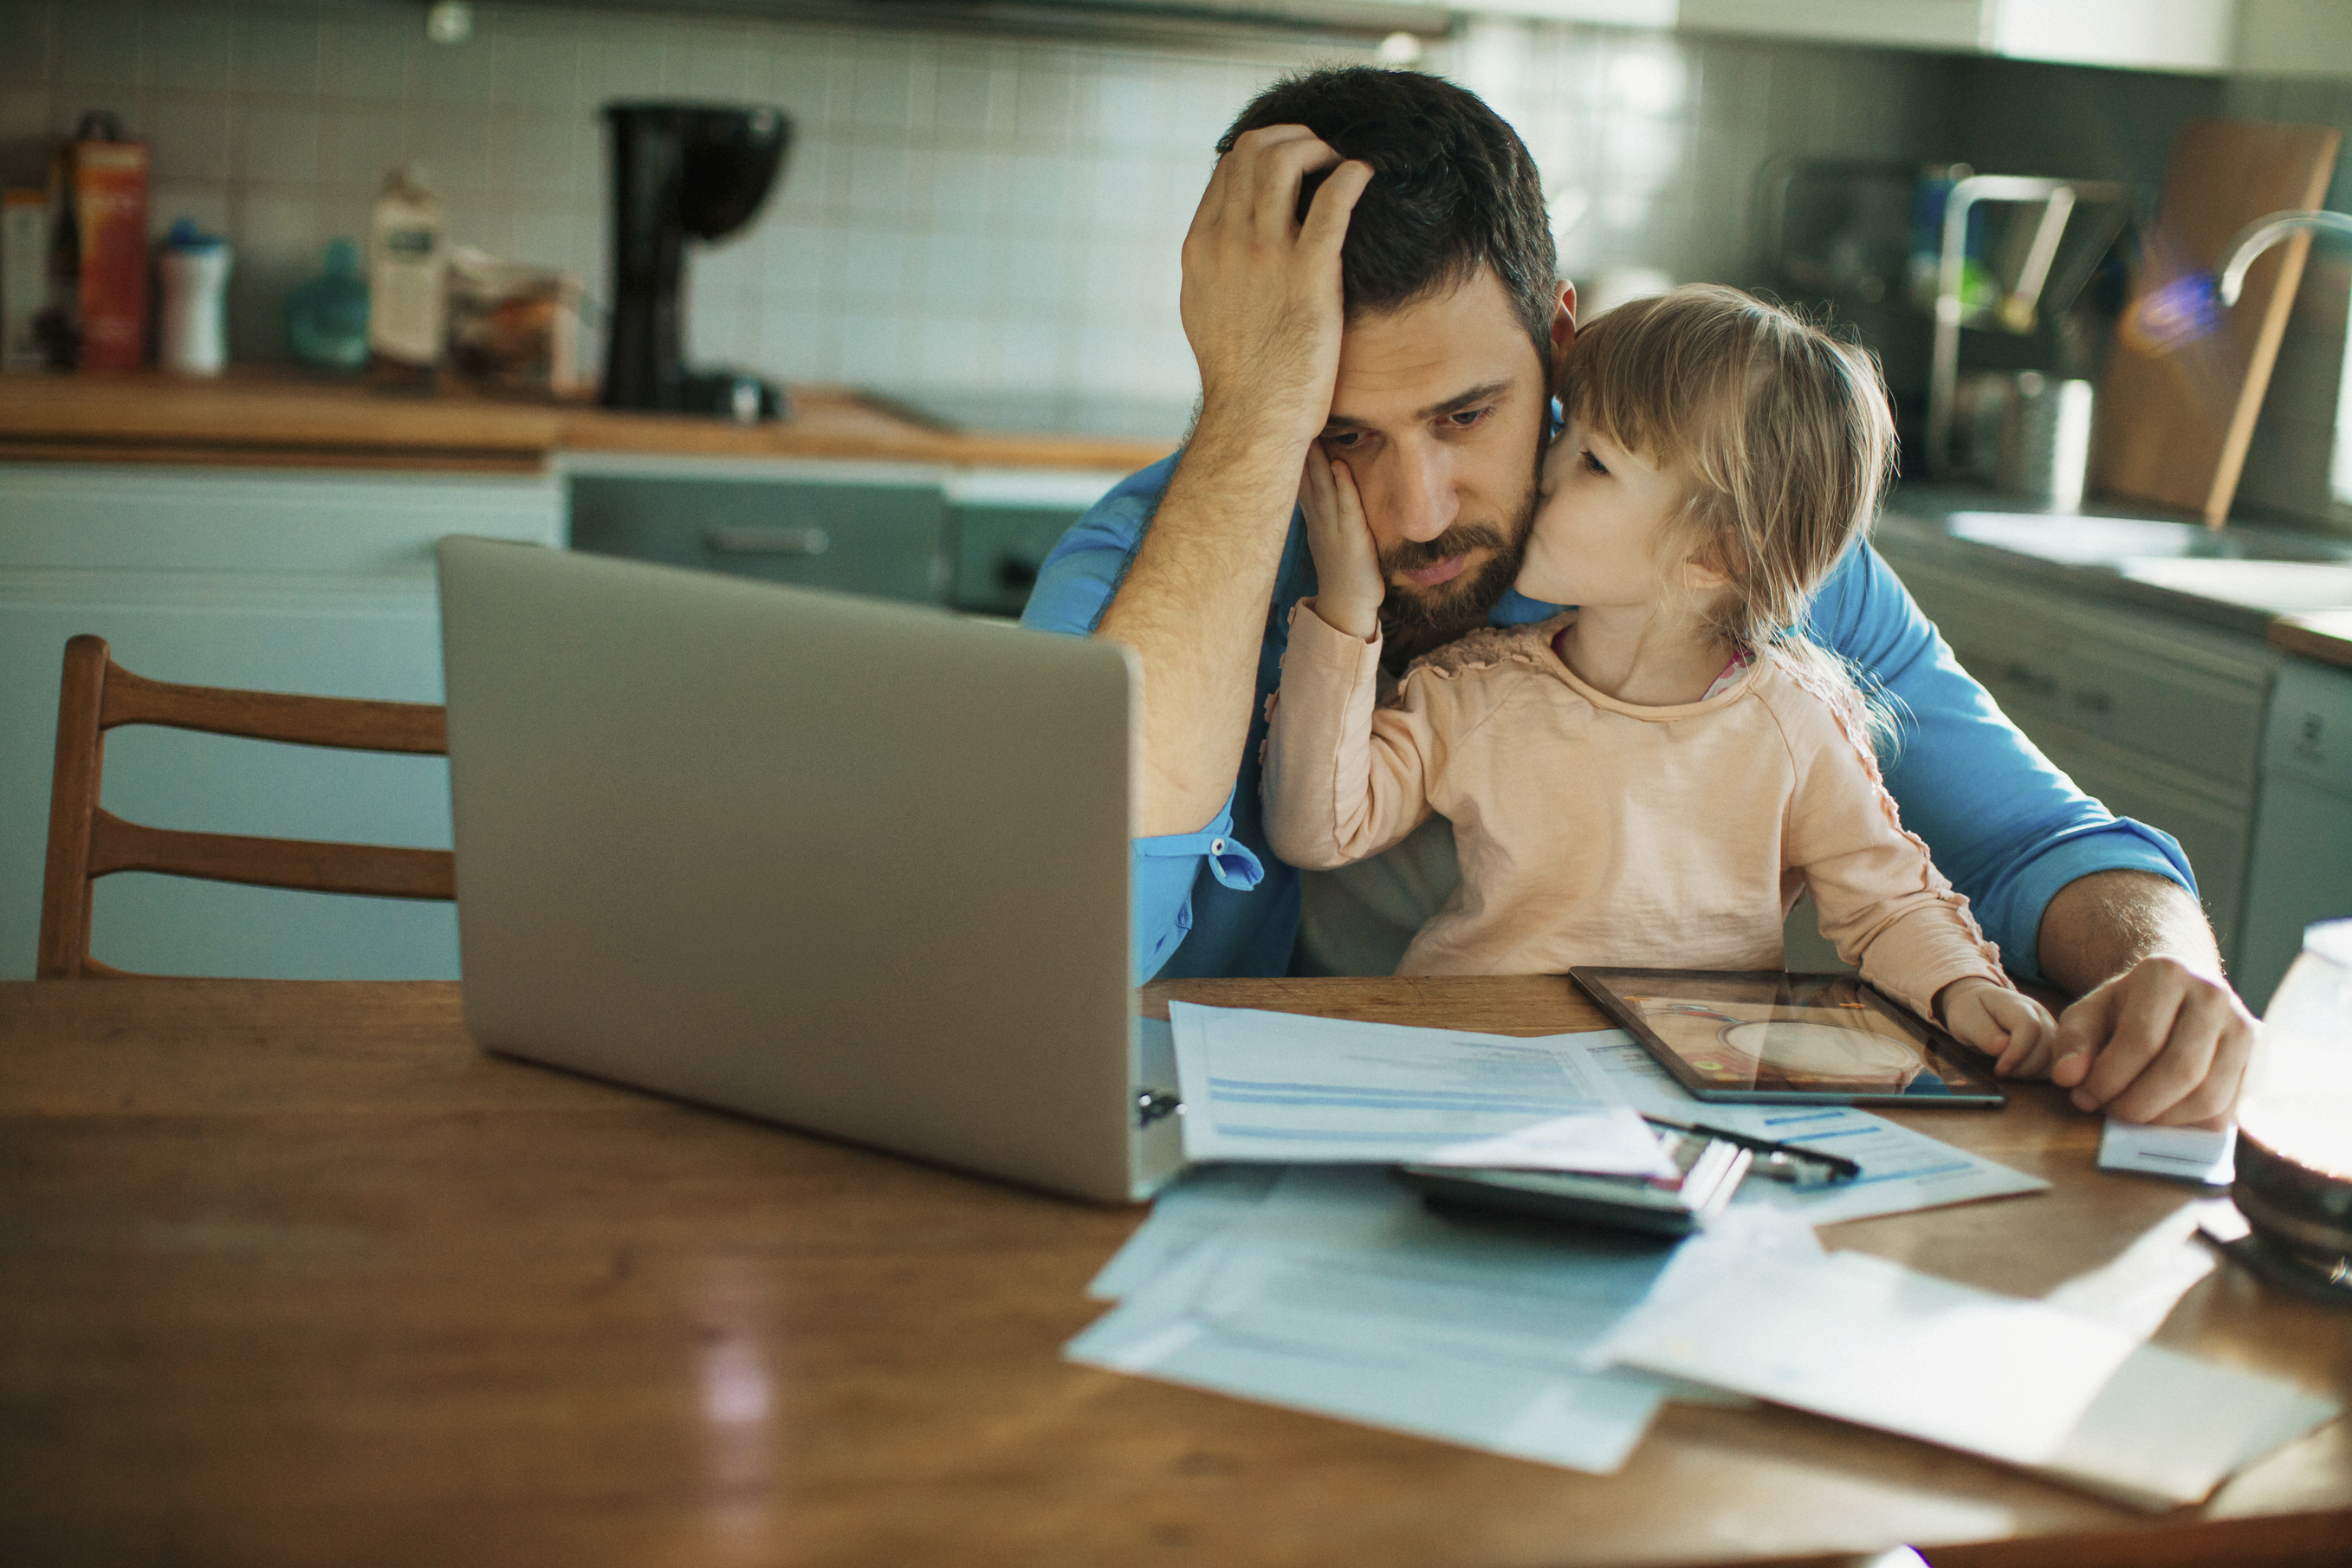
(1782, 436)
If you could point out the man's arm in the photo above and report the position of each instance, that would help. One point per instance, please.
(2097, 905)
(1262, 309)
(2158, 1034)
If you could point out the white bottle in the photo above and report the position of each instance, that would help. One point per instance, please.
(407, 260)
(195, 265)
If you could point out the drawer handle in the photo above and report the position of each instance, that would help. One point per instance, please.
(741, 539)
(2094, 702)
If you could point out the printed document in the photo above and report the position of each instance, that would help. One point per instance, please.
(1282, 1087)
(1338, 1292)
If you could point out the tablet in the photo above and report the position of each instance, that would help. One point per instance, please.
(1770, 1037)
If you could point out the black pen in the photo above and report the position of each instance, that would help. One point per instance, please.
(1839, 1167)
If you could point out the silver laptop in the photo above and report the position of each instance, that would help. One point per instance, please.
(855, 867)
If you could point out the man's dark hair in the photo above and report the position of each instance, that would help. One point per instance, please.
(1453, 189)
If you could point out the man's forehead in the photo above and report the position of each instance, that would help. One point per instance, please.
(1432, 351)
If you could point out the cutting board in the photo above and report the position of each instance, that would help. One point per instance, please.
(2174, 419)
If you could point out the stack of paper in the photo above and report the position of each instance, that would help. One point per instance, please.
(1336, 1292)
(2027, 1383)
(1323, 1285)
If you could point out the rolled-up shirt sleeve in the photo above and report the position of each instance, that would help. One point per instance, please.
(1074, 587)
(2004, 825)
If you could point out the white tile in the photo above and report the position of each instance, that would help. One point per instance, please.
(880, 85)
(541, 153)
(871, 265)
(188, 136)
(718, 66)
(1042, 96)
(799, 74)
(278, 51)
(27, 34)
(459, 76)
(276, 143)
(1037, 196)
(619, 62)
(964, 191)
(880, 178)
(98, 44)
(452, 147)
(536, 68)
(964, 87)
(371, 55)
(364, 143)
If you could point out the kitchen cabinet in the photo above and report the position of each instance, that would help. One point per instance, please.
(2150, 34)
(970, 539)
(874, 529)
(2157, 716)
(280, 580)
(2300, 869)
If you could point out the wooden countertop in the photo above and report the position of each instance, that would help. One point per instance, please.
(296, 1274)
(283, 417)
(2322, 635)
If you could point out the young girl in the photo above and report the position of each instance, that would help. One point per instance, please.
(1651, 778)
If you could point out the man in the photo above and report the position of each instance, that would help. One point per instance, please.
(1371, 268)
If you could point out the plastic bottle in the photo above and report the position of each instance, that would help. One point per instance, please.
(407, 259)
(195, 265)
(327, 318)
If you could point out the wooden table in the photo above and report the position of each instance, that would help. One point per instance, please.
(291, 1273)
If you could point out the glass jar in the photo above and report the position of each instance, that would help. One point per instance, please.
(2295, 1122)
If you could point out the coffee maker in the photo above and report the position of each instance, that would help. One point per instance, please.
(680, 169)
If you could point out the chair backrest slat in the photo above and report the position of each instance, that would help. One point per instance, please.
(376, 870)
(352, 723)
(87, 842)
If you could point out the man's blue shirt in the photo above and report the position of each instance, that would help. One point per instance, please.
(2009, 829)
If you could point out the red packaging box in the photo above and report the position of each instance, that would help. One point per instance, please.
(109, 192)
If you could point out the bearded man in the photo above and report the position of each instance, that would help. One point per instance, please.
(1371, 270)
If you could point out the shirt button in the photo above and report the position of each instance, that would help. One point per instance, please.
(1216, 846)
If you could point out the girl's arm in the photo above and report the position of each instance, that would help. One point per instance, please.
(1336, 791)
(1880, 899)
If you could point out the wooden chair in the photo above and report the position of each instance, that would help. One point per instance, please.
(87, 841)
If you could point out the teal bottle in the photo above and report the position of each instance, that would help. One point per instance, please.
(327, 318)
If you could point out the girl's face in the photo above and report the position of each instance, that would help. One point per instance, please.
(1600, 523)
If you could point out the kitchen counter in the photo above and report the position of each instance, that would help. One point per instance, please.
(2295, 589)
(270, 417)
(2322, 635)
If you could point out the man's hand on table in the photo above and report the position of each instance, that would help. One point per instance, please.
(2156, 1036)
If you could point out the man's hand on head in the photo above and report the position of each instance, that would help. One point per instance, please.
(1262, 302)
(2157, 1035)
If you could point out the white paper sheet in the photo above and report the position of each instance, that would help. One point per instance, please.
(1902, 1170)
(1339, 1294)
(2184, 1153)
(1867, 1341)
(1280, 1086)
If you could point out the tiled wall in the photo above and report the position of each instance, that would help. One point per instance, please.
(987, 215)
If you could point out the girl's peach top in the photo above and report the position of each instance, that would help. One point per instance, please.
(1593, 831)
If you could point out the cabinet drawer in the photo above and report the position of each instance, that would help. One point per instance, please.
(2215, 827)
(884, 540)
(2138, 683)
(2310, 735)
(998, 550)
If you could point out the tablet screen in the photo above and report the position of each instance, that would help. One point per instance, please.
(1769, 1035)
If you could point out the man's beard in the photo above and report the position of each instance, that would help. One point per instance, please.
(1458, 605)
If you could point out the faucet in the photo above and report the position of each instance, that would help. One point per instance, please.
(2260, 236)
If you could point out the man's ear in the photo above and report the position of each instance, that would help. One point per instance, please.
(1564, 331)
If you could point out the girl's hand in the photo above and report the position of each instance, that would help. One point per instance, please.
(2014, 1029)
(1349, 587)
